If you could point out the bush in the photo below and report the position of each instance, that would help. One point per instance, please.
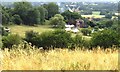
(58, 39)
(86, 32)
(78, 41)
(105, 38)
(57, 21)
(32, 37)
(12, 39)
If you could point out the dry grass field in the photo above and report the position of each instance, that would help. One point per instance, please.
(59, 59)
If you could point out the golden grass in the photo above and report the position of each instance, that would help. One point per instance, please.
(58, 59)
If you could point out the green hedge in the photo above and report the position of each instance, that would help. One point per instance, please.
(11, 39)
(105, 38)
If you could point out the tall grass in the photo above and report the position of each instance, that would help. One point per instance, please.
(33, 58)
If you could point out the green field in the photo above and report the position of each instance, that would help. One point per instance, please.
(95, 16)
(96, 13)
(21, 29)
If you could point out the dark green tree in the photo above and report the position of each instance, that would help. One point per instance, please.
(43, 14)
(17, 19)
(52, 9)
(22, 8)
(109, 15)
(33, 17)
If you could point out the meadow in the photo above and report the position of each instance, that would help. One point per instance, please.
(33, 58)
(21, 29)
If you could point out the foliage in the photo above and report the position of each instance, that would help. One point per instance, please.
(91, 23)
(102, 12)
(5, 16)
(21, 8)
(17, 19)
(12, 39)
(43, 14)
(109, 15)
(86, 32)
(33, 17)
(71, 15)
(105, 38)
(109, 23)
(30, 36)
(78, 41)
(57, 39)
(58, 21)
(52, 9)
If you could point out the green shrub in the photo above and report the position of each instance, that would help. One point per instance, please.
(86, 32)
(58, 39)
(57, 21)
(12, 39)
(78, 41)
(105, 38)
(32, 37)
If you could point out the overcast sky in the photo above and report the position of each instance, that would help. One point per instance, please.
(59, 0)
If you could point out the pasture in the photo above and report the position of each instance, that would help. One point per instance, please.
(95, 12)
(21, 29)
(94, 16)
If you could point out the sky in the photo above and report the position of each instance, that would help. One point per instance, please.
(60, 0)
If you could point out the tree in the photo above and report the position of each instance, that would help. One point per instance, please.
(106, 38)
(109, 15)
(17, 19)
(21, 9)
(43, 14)
(109, 23)
(33, 16)
(5, 15)
(57, 20)
(52, 9)
(71, 15)
(102, 12)
(5, 18)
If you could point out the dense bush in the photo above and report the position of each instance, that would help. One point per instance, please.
(78, 41)
(105, 38)
(12, 39)
(32, 37)
(58, 39)
(86, 32)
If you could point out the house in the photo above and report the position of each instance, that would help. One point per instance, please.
(80, 23)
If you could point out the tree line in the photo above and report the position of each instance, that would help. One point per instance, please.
(25, 13)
